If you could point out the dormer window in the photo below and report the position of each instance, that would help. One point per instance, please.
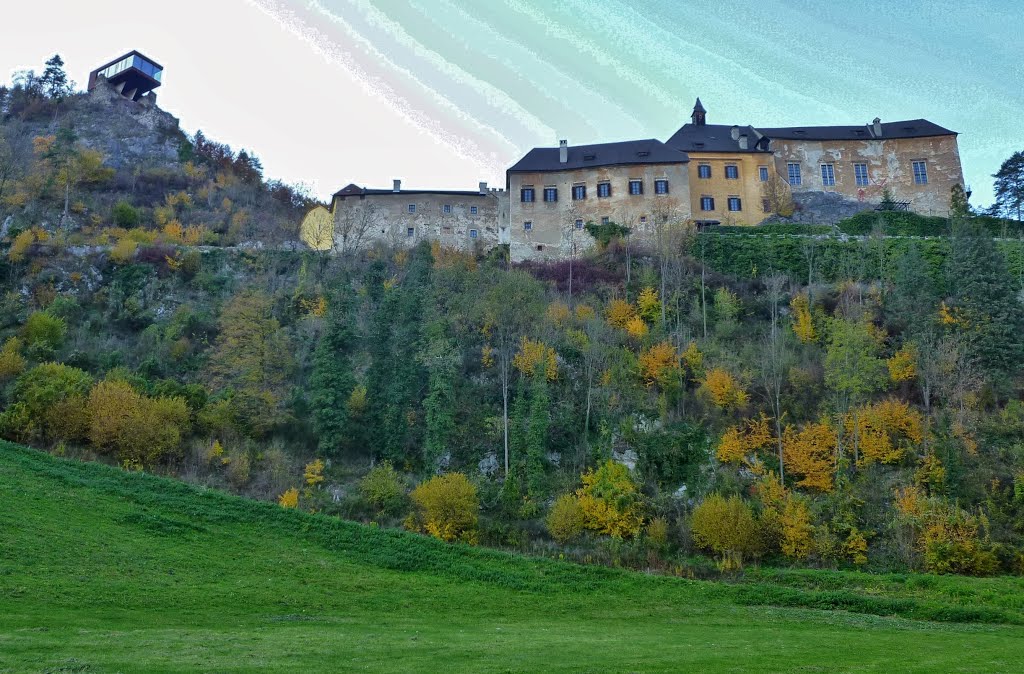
(698, 145)
(643, 153)
(589, 157)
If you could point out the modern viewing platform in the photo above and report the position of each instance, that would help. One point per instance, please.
(133, 75)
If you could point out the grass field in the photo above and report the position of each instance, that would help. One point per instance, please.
(102, 571)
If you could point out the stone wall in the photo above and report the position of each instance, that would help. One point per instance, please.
(553, 231)
(889, 163)
(404, 218)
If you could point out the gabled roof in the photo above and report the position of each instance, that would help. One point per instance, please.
(713, 138)
(913, 128)
(649, 151)
(353, 190)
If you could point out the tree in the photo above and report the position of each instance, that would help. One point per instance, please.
(727, 527)
(1009, 185)
(441, 359)
(985, 302)
(447, 507)
(775, 360)
(54, 81)
(853, 369)
(141, 431)
(46, 401)
(332, 380)
(611, 501)
(71, 165)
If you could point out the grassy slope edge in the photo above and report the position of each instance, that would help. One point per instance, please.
(102, 570)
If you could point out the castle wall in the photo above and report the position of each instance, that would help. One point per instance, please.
(553, 231)
(747, 186)
(889, 164)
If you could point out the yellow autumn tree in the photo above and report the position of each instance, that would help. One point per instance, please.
(723, 389)
(659, 364)
(446, 507)
(803, 326)
(12, 363)
(636, 327)
(584, 312)
(535, 356)
(558, 312)
(289, 499)
(314, 473)
(884, 431)
(797, 530)
(740, 441)
(619, 313)
(903, 364)
(610, 501)
(809, 454)
(648, 304)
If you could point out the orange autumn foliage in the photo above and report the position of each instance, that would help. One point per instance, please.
(620, 313)
(808, 454)
(659, 363)
(884, 431)
(723, 389)
(534, 355)
(740, 441)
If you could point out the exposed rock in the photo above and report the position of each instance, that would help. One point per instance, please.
(822, 208)
(489, 464)
(627, 457)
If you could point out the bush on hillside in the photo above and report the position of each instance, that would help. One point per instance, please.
(447, 507)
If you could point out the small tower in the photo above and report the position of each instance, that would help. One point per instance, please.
(699, 116)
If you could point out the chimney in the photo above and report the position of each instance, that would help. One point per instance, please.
(735, 133)
(483, 188)
(743, 141)
(563, 151)
(877, 124)
(397, 187)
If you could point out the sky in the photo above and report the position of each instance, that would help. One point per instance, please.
(448, 93)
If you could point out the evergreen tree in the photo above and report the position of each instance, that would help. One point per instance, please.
(441, 360)
(54, 81)
(914, 301)
(332, 381)
(985, 302)
(537, 428)
(1009, 185)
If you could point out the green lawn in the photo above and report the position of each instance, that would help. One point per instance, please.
(102, 570)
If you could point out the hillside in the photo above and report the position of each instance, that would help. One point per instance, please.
(102, 570)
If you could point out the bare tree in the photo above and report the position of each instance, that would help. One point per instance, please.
(775, 359)
(353, 224)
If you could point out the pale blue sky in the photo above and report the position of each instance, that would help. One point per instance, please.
(444, 93)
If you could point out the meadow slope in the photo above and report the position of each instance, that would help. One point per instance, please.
(102, 570)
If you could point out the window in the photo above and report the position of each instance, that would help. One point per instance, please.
(766, 206)
(550, 194)
(604, 190)
(762, 172)
(473, 210)
(828, 175)
(526, 195)
(605, 220)
(707, 203)
(447, 208)
(661, 186)
(920, 172)
(410, 232)
(794, 173)
(860, 172)
(579, 192)
(636, 187)
(704, 171)
(579, 224)
(412, 208)
(643, 219)
(735, 204)
(732, 172)
(473, 233)
(528, 225)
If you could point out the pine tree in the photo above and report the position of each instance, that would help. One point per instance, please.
(1009, 185)
(985, 298)
(441, 360)
(537, 427)
(332, 381)
(54, 80)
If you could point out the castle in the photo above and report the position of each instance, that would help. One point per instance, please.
(706, 173)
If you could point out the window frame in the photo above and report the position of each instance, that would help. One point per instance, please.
(828, 174)
(579, 192)
(861, 181)
(920, 178)
(660, 186)
(578, 224)
(639, 183)
(707, 203)
(523, 191)
(446, 209)
(527, 225)
(412, 209)
(702, 169)
(793, 168)
(732, 169)
(762, 173)
(474, 234)
(410, 232)
(550, 195)
(474, 210)
(606, 187)
(734, 199)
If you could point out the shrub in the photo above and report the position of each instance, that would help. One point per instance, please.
(384, 489)
(12, 363)
(289, 499)
(723, 390)
(565, 521)
(42, 396)
(123, 251)
(447, 508)
(727, 527)
(140, 430)
(610, 501)
(125, 215)
(44, 331)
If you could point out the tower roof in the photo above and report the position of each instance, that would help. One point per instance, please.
(698, 107)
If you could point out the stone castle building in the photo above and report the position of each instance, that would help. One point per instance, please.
(706, 173)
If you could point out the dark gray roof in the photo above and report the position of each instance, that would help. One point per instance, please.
(650, 151)
(698, 106)
(713, 138)
(353, 190)
(913, 128)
